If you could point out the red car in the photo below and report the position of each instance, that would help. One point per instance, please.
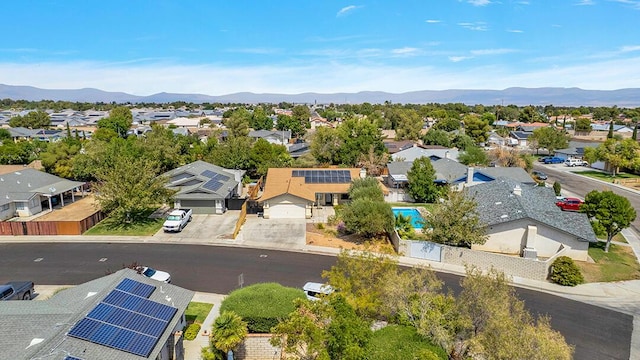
(569, 204)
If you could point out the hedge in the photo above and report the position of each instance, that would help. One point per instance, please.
(192, 331)
(262, 306)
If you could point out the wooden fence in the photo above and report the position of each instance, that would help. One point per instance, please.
(50, 227)
(241, 219)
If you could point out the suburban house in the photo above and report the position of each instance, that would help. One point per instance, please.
(28, 191)
(298, 149)
(124, 316)
(393, 146)
(524, 221)
(273, 137)
(454, 173)
(606, 127)
(432, 152)
(496, 140)
(204, 187)
(317, 121)
(519, 138)
(293, 192)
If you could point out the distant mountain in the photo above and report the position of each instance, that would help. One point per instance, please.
(516, 96)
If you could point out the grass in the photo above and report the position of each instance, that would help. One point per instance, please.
(197, 311)
(600, 175)
(618, 238)
(142, 228)
(397, 342)
(618, 264)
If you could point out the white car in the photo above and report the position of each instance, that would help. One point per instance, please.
(154, 274)
(315, 291)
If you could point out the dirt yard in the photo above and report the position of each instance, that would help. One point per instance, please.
(325, 237)
(72, 211)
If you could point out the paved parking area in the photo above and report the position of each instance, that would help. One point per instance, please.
(206, 226)
(273, 233)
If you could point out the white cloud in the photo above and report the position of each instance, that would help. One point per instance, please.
(259, 51)
(432, 21)
(517, 31)
(630, 48)
(405, 51)
(635, 4)
(319, 76)
(479, 2)
(492, 51)
(585, 3)
(475, 26)
(459, 58)
(346, 10)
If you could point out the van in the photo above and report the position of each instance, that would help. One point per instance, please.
(315, 291)
(575, 162)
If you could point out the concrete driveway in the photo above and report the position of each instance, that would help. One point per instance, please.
(206, 226)
(273, 233)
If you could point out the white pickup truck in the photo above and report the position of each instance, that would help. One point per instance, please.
(177, 220)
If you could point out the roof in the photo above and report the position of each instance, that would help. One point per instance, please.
(393, 146)
(520, 135)
(38, 329)
(280, 135)
(282, 181)
(24, 184)
(498, 204)
(515, 173)
(200, 180)
(415, 152)
(448, 170)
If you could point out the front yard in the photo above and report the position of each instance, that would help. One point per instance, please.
(147, 227)
(618, 264)
(326, 235)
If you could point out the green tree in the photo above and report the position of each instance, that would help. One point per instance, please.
(368, 217)
(21, 152)
(33, 120)
(421, 177)
(409, 125)
(4, 135)
(303, 334)
(260, 120)
(447, 124)
(474, 156)
(609, 213)
(489, 118)
(557, 188)
(583, 125)
(529, 114)
(616, 153)
(368, 188)
(348, 333)
(58, 158)
(634, 136)
(550, 138)
(437, 137)
(234, 153)
(325, 145)
(289, 123)
(228, 331)
(357, 136)
(116, 124)
(237, 123)
(610, 133)
(462, 142)
(301, 114)
(476, 128)
(265, 155)
(455, 222)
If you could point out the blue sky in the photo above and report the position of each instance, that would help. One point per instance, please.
(291, 46)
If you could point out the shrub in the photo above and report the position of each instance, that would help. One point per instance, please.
(565, 272)
(261, 306)
(557, 188)
(192, 331)
(402, 342)
(320, 226)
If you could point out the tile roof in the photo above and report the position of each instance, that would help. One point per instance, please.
(48, 321)
(497, 204)
(280, 181)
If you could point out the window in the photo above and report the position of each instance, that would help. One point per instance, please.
(21, 206)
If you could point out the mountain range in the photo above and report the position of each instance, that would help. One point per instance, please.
(512, 96)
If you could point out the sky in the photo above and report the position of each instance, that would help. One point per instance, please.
(218, 47)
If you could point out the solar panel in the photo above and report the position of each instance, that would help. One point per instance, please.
(71, 358)
(213, 185)
(136, 288)
(223, 177)
(208, 173)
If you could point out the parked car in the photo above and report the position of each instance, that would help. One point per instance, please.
(553, 160)
(154, 274)
(575, 162)
(569, 204)
(315, 291)
(539, 175)
(177, 220)
(16, 290)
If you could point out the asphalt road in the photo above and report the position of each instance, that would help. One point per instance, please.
(581, 185)
(597, 333)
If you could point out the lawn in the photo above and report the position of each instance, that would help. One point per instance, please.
(143, 228)
(197, 311)
(600, 175)
(402, 342)
(618, 237)
(618, 264)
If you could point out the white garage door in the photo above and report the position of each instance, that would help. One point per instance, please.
(287, 211)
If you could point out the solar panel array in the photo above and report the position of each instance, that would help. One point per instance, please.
(216, 182)
(71, 358)
(126, 319)
(324, 176)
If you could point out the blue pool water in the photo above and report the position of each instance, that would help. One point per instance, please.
(415, 216)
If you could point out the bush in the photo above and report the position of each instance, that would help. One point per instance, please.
(565, 272)
(192, 331)
(261, 306)
(557, 188)
(402, 342)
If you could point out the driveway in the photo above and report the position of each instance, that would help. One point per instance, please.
(206, 226)
(273, 233)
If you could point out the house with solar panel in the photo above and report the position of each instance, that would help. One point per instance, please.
(291, 193)
(205, 188)
(123, 316)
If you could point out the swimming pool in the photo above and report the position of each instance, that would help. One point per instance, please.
(416, 218)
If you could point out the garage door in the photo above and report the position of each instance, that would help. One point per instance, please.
(287, 211)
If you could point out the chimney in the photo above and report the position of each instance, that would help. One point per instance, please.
(446, 154)
(363, 173)
(469, 175)
(517, 190)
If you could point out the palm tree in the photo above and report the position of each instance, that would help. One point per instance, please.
(228, 331)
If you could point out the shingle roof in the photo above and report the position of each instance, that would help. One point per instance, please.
(516, 173)
(22, 322)
(415, 152)
(498, 204)
(24, 184)
(190, 181)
